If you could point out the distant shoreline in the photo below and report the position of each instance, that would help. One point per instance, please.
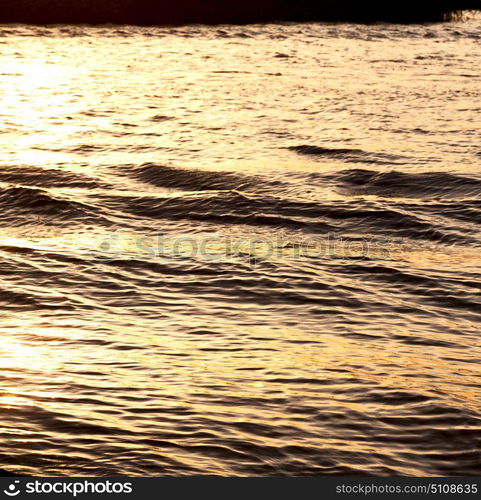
(179, 12)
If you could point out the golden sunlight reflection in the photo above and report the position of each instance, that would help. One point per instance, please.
(39, 105)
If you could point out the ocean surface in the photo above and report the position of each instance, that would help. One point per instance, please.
(240, 250)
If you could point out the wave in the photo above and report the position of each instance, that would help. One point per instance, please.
(47, 177)
(407, 185)
(443, 292)
(345, 154)
(24, 300)
(23, 205)
(191, 179)
(221, 207)
(234, 199)
(230, 207)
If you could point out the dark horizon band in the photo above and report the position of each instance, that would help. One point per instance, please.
(170, 12)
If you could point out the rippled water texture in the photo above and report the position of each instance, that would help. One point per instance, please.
(240, 250)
